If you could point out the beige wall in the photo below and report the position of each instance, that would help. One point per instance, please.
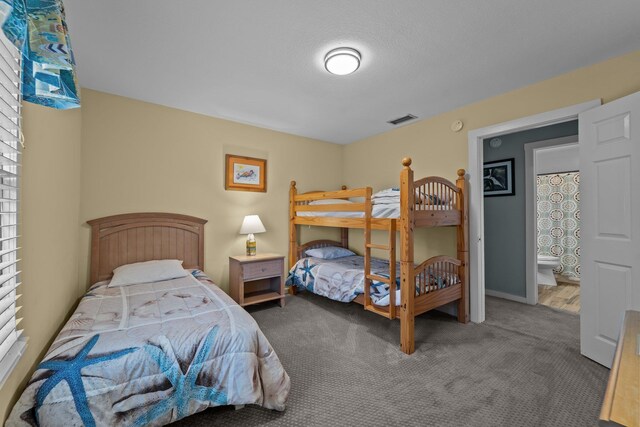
(140, 157)
(50, 232)
(436, 150)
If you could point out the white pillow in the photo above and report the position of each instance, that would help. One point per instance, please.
(329, 202)
(329, 252)
(147, 272)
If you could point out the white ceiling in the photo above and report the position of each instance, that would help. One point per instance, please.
(260, 62)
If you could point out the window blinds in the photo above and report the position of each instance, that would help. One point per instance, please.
(9, 174)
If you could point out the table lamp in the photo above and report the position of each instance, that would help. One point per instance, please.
(250, 226)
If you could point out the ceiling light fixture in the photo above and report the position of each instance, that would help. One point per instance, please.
(342, 61)
(495, 143)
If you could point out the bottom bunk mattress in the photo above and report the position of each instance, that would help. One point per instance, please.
(150, 354)
(342, 279)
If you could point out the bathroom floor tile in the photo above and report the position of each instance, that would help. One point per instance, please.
(564, 296)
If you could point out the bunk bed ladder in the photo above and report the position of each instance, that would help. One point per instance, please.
(367, 249)
(391, 280)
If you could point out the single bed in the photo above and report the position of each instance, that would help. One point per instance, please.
(151, 353)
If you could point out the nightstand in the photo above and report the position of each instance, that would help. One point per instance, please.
(255, 279)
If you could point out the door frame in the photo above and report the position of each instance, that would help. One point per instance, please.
(476, 200)
(530, 151)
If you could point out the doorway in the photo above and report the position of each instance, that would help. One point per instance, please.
(609, 152)
(553, 223)
(476, 199)
(507, 223)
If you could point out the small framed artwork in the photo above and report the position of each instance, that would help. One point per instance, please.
(499, 178)
(245, 174)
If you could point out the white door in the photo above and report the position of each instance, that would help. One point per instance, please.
(610, 223)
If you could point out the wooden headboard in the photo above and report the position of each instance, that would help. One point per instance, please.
(123, 239)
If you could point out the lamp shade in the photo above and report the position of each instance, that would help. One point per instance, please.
(252, 225)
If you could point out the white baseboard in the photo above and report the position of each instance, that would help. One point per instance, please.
(504, 295)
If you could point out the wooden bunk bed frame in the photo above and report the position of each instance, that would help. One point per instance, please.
(417, 209)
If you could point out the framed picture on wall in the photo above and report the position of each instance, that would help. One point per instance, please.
(499, 178)
(245, 174)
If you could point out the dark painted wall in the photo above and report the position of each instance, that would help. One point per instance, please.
(504, 217)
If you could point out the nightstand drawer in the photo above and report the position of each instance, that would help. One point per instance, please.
(258, 269)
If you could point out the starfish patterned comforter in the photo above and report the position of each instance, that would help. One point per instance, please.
(342, 279)
(151, 354)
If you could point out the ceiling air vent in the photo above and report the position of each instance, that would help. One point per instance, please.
(402, 119)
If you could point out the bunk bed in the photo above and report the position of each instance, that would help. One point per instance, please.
(426, 202)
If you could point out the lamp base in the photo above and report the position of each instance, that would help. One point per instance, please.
(251, 245)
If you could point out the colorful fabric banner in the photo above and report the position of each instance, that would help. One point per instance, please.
(38, 29)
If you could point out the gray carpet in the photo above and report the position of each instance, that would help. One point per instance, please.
(522, 367)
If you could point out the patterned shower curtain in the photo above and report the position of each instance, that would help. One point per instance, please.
(558, 197)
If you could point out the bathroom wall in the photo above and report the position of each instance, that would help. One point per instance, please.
(505, 244)
(565, 158)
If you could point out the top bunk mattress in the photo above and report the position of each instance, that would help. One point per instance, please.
(384, 204)
(377, 211)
